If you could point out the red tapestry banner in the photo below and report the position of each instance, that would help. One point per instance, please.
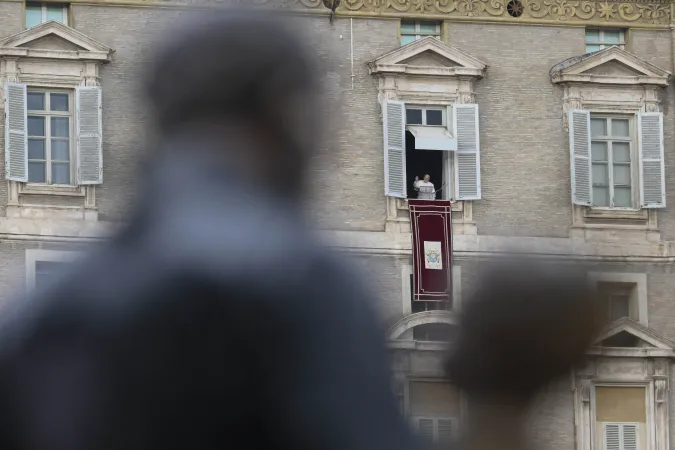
(431, 222)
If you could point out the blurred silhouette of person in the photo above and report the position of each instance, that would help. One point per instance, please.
(214, 320)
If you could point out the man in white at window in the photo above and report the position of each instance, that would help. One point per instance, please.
(425, 188)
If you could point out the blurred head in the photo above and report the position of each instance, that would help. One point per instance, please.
(239, 77)
(528, 323)
(427, 177)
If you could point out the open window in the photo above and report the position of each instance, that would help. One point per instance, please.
(430, 119)
(440, 142)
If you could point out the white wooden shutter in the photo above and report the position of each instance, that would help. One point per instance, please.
(580, 156)
(89, 135)
(621, 436)
(652, 169)
(467, 156)
(16, 133)
(612, 436)
(425, 428)
(445, 430)
(393, 118)
(630, 436)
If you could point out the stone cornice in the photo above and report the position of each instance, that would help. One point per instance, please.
(379, 243)
(626, 13)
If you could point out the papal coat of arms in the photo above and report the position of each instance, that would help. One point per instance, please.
(432, 255)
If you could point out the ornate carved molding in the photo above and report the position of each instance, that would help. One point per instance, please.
(646, 13)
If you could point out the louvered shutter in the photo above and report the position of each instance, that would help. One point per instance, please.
(467, 156)
(393, 118)
(621, 436)
(425, 428)
(630, 437)
(652, 170)
(580, 156)
(445, 430)
(89, 136)
(612, 436)
(16, 133)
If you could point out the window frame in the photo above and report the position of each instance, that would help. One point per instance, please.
(603, 44)
(33, 256)
(633, 153)
(43, 9)
(48, 114)
(437, 34)
(636, 283)
(424, 109)
(650, 419)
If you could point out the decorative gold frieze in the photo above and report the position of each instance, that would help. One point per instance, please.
(631, 13)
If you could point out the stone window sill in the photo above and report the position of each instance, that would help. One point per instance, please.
(398, 217)
(39, 201)
(601, 224)
(402, 205)
(42, 189)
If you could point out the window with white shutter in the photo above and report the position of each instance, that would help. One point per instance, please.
(393, 118)
(652, 170)
(621, 436)
(89, 136)
(607, 169)
(467, 156)
(441, 430)
(441, 142)
(51, 134)
(580, 158)
(16, 161)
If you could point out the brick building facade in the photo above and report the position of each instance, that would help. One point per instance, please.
(558, 115)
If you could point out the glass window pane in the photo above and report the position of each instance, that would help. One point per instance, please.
(600, 175)
(58, 102)
(408, 27)
(33, 15)
(60, 150)
(619, 307)
(413, 116)
(36, 172)
(622, 175)
(620, 151)
(428, 28)
(612, 36)
(61, 173)
(405, 40)
(598, 127)
(593, 48)
(36, 126)
(599, 151)
(60, 127)
(600, 196)
(35, 101)
(622, 197)
(55, 12)
(36, 149)
(592, 36)
(620, 128)
(434, 117)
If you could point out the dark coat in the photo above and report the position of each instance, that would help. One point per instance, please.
(214, 321)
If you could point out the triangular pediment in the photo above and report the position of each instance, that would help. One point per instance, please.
(428, 56)
(54, 40)
(629, 333)
(609, 66)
